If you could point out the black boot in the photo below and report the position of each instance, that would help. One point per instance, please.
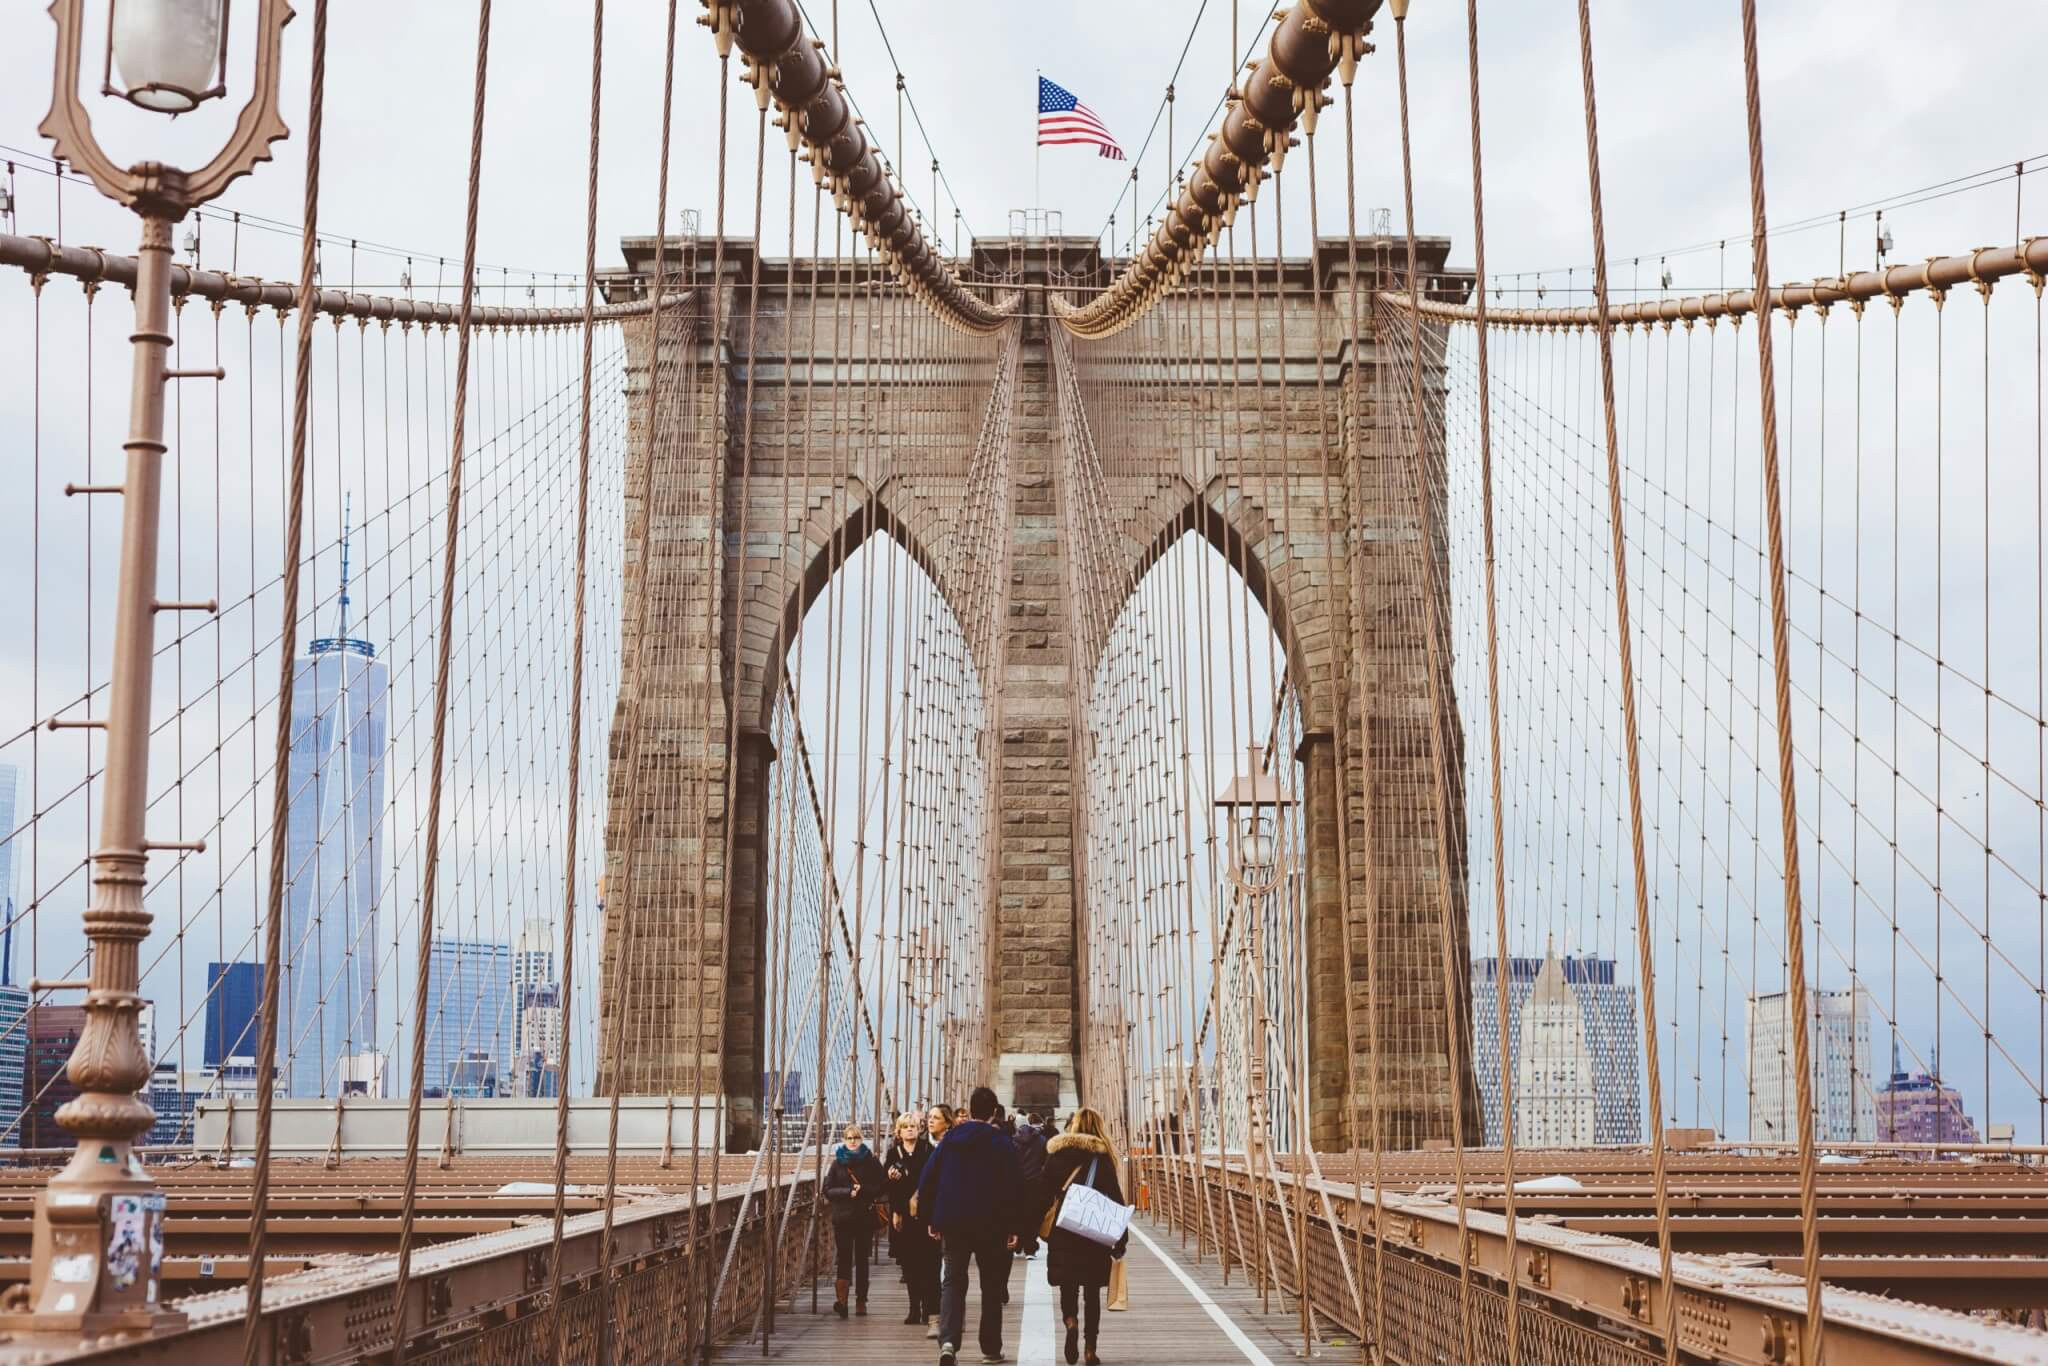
(916, 1314)
(1073, 1342)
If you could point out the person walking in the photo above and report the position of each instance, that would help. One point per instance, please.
(938, 1121)
(851, 1189)
(910, 1240)
(1031, 1164)
(1079, 1267)
(969, 1191)
(1030, 1141)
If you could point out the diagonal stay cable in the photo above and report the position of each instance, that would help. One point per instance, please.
(1210, 122)
(1160, 111)
(901, 179)
(918, 118)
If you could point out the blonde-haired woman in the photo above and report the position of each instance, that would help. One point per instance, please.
(1077, 1266)
(910, 1240)
(851, 1189)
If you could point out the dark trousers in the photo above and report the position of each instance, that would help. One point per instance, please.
(921, 1272)
(990, 1254)
(856, 1246)
(1070, 1295)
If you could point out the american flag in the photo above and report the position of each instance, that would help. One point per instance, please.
(1063, 119)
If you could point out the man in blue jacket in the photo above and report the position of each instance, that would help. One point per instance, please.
(969, 1192)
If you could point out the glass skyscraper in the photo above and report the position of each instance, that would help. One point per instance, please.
(13, 1060)
(469, 1012)
(234, 1003)
(10, 876)
(334, 856)
(13, 999)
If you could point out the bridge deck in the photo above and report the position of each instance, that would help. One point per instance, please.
(1180, 1313)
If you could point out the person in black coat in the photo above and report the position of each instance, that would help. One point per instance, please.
(1030, 1151)
(1031, 1164)
(852, 1186)
(1079, 1267)
(972, 1196)
(910, 1241)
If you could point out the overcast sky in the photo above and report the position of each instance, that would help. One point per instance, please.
(1865, 103)
(1862, 100)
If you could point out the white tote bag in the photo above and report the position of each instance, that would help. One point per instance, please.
(1087, 1213)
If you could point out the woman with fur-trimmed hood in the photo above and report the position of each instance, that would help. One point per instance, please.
(1077, 1266)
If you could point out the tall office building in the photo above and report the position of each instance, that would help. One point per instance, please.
(1607, 1008)
(1554, 1094)
(334, 847)
(10, 872)
(537, 999)
(234, 1007)
(53, 1032)
(1919, 1107)
(1844, 1084)
(469, 1010)
(13, 999)
(13, 1061)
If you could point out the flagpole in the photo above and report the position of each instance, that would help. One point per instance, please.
(1037, 148)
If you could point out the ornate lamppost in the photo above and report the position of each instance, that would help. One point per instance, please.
(1254, 870)
(98, 1244)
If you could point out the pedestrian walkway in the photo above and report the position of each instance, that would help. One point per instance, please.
(1181, 1314)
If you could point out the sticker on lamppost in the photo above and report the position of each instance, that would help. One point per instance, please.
(125, 1239)
(73, 1268)
(154, 1203)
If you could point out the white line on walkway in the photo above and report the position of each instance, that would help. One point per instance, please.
(1034, 1345)
(1215, 1311)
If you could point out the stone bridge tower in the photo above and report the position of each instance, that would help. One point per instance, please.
(671, 919)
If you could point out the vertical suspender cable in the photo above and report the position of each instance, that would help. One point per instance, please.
(1625, 652)
(1499, 852)
(711, 646)
(1340, 629)
(1433, 673)
(1774, 528)
(714, 412)
(280, 810)
(625, 896)
(559, 1327)
(1368, 844)
(450, 538)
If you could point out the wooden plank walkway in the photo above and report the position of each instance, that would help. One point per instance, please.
(1181, 1314)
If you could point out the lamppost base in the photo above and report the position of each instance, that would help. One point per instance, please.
(98, 1252)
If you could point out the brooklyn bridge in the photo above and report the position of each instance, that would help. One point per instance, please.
(1520, 796)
